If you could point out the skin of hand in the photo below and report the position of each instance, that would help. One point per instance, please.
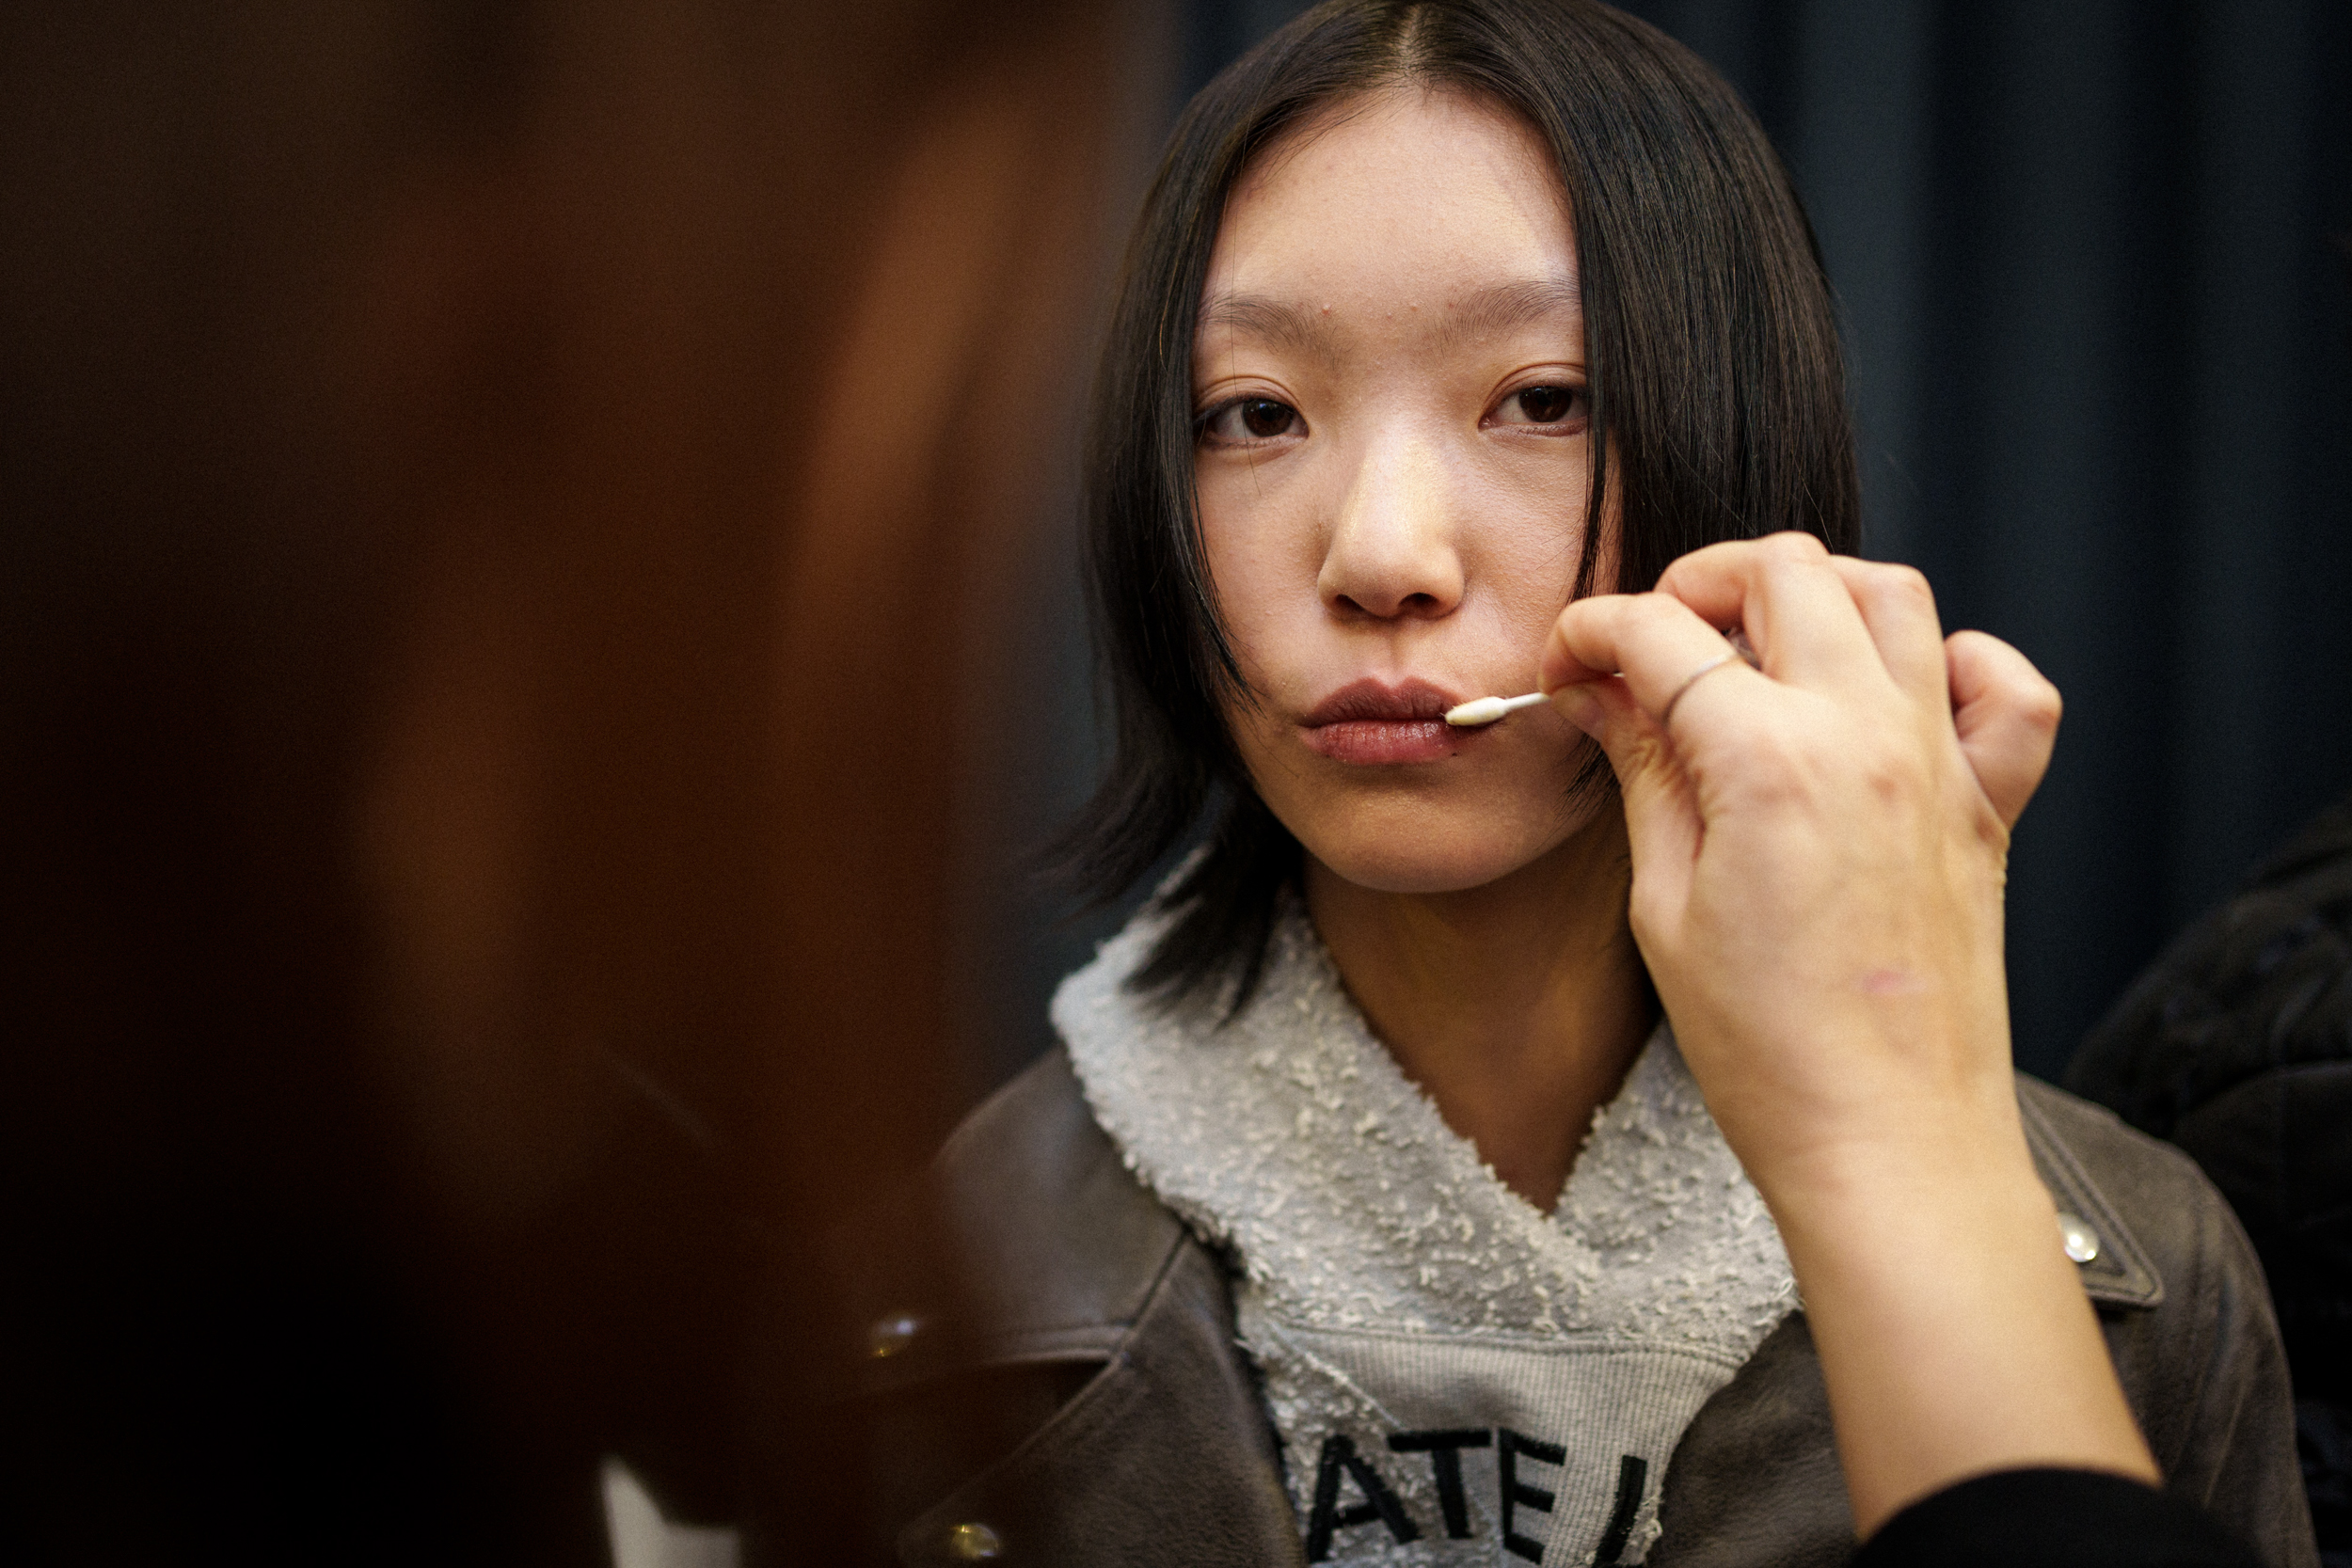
(1819, 849)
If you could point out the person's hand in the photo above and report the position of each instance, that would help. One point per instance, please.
(1819, 847)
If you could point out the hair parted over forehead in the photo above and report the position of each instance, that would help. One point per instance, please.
(1717, 393)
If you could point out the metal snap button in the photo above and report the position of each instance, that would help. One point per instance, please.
(2081, 1242)
(892, 1333)
(975, 1543)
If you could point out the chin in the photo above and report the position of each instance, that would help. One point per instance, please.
(1443, 862)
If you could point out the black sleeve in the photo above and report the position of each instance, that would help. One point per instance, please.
(2052, 1519)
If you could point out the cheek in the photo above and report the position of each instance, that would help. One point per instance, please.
(1264, 558)
(1531, 543)
(1262, 742)
(1246, 570)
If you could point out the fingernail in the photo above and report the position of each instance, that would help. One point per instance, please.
(1580, 707)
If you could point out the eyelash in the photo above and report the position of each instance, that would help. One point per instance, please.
(1578, 402)
(1204, 428)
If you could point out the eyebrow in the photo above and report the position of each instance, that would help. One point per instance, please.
(1498, 307)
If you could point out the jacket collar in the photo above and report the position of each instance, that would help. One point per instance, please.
(2116, 1272)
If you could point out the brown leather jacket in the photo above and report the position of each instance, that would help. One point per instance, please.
(1162, 1455)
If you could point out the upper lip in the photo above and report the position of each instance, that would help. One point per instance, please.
(1374, 699)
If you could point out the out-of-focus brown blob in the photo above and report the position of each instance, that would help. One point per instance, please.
(463, 468)
(922, 475)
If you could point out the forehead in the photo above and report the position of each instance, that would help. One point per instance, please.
(1404, 197)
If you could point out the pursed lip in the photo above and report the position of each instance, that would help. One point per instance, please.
(1370, 722)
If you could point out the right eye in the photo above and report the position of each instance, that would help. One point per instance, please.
(1247, 419)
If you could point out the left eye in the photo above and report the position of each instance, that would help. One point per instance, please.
(1247, 419)
(1543, 405)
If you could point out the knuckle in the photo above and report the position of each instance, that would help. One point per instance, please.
(1890, 775)
(1794, 544)
(2041, 703)
(1769, 760)
(1901, 581)
(1656, 607)
(2028, 695)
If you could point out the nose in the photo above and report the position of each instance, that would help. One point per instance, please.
(1392, 551)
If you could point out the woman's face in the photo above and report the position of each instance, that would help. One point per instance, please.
(1392, 472)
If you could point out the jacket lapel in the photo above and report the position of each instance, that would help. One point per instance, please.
(1162, 1461)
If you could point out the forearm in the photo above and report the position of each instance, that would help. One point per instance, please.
(1954, 1337)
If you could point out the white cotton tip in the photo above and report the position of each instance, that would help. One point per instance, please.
(1485, 710)
(1482, 710)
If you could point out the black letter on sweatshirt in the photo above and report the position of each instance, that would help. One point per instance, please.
(1632, 1473)
(1517, 1494)
(1445, 1449)
(1380, 1502)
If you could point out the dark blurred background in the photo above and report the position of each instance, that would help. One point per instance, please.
(456, 458)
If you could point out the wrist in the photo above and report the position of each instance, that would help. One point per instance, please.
(1954, 1336)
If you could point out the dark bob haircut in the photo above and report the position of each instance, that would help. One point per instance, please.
(1717, 394)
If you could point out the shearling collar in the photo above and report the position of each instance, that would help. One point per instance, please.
(1395, 1293)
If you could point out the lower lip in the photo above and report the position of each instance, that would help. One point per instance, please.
(1372, 741)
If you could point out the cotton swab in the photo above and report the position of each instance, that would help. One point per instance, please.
(1485, 710)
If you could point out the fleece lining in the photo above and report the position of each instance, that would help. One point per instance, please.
(1455, 1378)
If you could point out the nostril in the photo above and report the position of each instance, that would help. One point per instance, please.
(1390, 610)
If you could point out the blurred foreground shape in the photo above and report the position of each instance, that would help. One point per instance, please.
(458, 463)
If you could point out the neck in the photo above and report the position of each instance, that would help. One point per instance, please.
(1518, 1006)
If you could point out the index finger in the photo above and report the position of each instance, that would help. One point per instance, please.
(1798, 611)
(1655, 641)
